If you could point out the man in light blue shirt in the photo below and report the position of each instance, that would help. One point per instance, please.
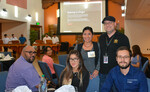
(22, 72)
(125, 77)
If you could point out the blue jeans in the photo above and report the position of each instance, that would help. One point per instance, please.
(103, 78)
(93, 85)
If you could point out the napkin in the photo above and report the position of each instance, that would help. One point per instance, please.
(22, 89)
(7, 57)
(66, 88)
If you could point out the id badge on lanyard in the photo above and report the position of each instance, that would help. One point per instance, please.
(105, 59)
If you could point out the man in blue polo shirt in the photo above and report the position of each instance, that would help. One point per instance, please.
(125, 77)
(22, 39)
(22, 72)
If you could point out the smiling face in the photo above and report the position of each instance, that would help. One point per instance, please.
(29, 54)
(49, 51)
(74, 61)
(87, 36)
(109, 26)
(123, 59)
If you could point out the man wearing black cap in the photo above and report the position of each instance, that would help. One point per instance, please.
(109, 43)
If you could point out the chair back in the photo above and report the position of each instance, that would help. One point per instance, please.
(148, 82)
(62, 59)
(3, 77)
(47, 72)
(39, 41)
(6, 53)
(1, 41)
(58, 69)
(145, 65)
(1, 66)
(49, 42)
(15, 42)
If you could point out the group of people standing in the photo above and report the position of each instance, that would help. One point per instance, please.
(103, 66)
(107, 61)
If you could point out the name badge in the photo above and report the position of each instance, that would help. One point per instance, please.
(91, 54)
(105, 59)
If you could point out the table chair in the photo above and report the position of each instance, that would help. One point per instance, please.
(6, 53)
(62, 59)
(58, 69)
(48, 75)
(3, 77)
(145, 65)
(148, 82)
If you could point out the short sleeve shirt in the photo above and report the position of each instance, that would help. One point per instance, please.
(22, 73)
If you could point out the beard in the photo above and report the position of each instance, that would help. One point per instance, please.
(124, 67)
(31, 60)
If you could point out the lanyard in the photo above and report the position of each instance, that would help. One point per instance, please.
(107, 44)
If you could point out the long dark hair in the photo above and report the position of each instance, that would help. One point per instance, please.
(136, 50)
(68, 71)
(87, 28)
(45, 49)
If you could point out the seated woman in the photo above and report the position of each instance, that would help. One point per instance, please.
(75, 73)
(47, 59)
(136, 56)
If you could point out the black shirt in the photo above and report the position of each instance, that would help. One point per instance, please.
(117, 40)
(76, 81)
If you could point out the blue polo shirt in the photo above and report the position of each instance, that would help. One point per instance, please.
(134, 81)
(22, 40)
(22, 73)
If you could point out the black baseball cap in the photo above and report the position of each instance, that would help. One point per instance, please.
(109, 18)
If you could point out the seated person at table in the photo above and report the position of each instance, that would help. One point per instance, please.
(13, 38)
(47, 59)
(55, 39)
(22, 72)
(136, 57)
(22, 39)
(46, 38)
(5, 41)
(75, 73)
(125, 77)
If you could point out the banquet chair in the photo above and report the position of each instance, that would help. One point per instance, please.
(48, 75)
(148, 82)
(58, 69)
(6, 53)
(62, 59)
(49, 41)
(3, 77)
(145, 65)
(1, 66)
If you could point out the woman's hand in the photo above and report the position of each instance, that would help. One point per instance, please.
(95, 73)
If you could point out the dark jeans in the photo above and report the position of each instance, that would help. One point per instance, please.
(102, 80)
(5, 49)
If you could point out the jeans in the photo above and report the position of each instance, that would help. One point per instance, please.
(102, 78)
(93, 85)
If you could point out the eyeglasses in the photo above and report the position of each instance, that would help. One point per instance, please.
(123, 57)
(31, 52)
(107, 23)
(74, 59)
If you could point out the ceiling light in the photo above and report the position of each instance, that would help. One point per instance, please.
(28, 17)
(4, 12)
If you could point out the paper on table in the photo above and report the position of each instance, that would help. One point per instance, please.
(7, 57)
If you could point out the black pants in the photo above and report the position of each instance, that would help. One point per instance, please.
(5, 49)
